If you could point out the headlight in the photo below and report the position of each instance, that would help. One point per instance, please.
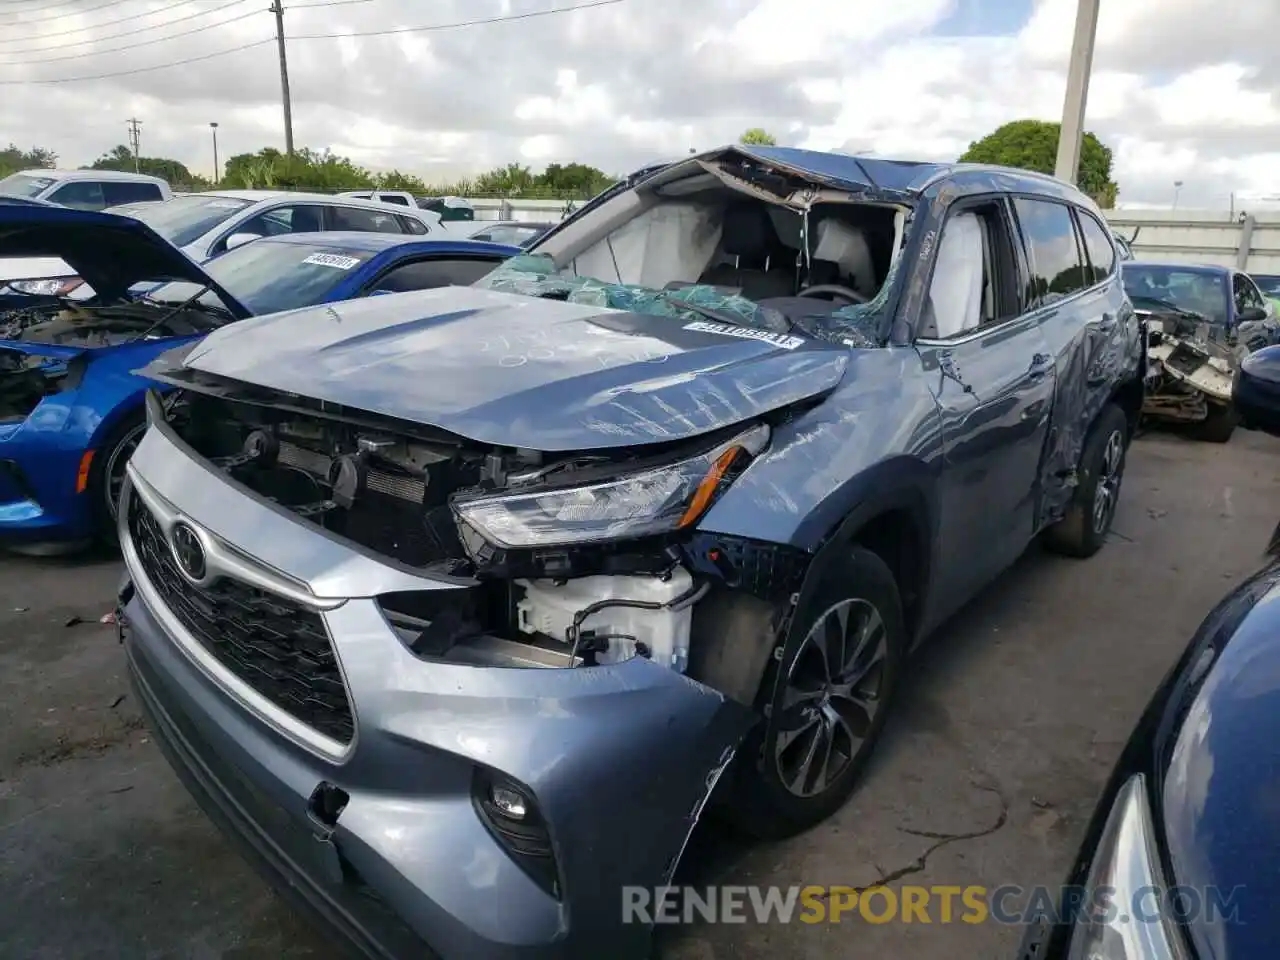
(1127, 868)
(52, 287)
(642, 504)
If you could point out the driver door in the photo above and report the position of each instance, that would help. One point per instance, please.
(992, 374)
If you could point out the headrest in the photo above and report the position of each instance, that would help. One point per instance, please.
(748, 231)
(847, 247)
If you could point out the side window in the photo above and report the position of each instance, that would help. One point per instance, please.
(80, 194)
(363, 220)
(485, 235)
(392, 198)
(1053, 251)
(1247, 294)
(975, 280)
(1098, 245)
(428, 274)
(117, 193)
(277, 220)
(412, 225)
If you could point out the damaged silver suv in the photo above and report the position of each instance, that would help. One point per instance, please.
(458, 607)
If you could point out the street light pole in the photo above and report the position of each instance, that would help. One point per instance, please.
(1177, 189)
(217, 175)
(1073, 107)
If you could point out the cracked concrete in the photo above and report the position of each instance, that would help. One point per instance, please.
(1004, 733)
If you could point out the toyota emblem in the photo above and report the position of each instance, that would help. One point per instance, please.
(188, 550)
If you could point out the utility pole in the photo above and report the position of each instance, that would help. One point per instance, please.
(1073, 107)
(277, 7)
(135, 140)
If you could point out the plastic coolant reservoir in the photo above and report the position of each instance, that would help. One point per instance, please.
(549, 608)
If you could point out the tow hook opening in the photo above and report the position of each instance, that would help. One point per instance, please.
(325, 807)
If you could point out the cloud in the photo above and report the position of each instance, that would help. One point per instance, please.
(1180, 91)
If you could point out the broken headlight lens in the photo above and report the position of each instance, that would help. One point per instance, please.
(641, 504)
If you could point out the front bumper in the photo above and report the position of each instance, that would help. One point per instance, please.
(38, 499)
(620, 758)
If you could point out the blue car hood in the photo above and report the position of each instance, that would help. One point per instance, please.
(109, 252)
(1219, 802)
(510, 370)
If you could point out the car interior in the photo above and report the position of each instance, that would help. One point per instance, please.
(700, 231)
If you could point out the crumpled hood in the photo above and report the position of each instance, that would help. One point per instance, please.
(521, 371)
(109, 252)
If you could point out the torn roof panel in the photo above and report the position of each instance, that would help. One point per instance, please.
(848, 172)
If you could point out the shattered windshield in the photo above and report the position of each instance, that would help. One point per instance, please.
(1155, 287)
(536, 275)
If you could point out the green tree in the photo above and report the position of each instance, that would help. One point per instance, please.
(759, 137)
(1033, 145)
(13, 159)
(573, 180)
(321, 171)
(395, 180)
(173, 172)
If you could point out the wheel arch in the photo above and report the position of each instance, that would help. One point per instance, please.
(888, 510)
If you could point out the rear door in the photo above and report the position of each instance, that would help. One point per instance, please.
(989, 367)
(1087, 321)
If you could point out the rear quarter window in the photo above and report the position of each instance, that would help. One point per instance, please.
(1098, 246)
(118, 193)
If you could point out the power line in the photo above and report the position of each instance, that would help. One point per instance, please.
(136, 70)
(106, 23)
(58, 16)
(47, 6)
(130, 33)
(589, 4)
(502, 18)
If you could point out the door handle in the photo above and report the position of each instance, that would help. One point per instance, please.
(1041, 364)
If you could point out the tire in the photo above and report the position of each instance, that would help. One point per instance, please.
(1218, 426)
(768, 798)
(107, 472)
(1084, 529)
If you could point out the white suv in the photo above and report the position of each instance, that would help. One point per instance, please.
(85, 189)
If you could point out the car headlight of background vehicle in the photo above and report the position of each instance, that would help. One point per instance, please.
(49, 287)
(1126, 862)
(648, 502)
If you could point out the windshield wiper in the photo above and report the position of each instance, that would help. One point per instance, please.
(1169, 306)
(719, 316)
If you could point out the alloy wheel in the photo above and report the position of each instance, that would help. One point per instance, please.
(114, 469)
(1108, 490)
(831, 696)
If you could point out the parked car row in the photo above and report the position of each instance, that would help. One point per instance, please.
(466, 574)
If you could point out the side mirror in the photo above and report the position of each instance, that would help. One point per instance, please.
(240, 239)
(1256, 394)
(1251, 315)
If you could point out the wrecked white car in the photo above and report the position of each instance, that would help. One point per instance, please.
(1201, 322)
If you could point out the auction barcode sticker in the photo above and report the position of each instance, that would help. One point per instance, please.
(332, 260)
(782, 340)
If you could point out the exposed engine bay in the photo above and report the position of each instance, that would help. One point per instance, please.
(1189, 372)
(27, 378)
(394, 493)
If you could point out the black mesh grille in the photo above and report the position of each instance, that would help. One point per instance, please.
(277, 647)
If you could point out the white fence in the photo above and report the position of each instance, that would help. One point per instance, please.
(1246, 241)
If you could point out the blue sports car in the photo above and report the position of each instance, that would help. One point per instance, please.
(71, 406)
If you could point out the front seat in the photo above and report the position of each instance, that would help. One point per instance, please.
(842, 256)
(761, 266)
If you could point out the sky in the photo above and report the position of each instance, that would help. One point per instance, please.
(1181, 90)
